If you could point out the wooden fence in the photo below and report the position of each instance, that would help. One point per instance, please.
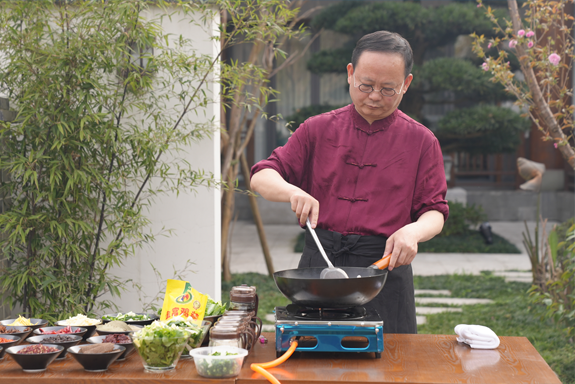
(498, 171)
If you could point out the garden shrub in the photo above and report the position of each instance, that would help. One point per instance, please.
(556, 287)
(461, 218)
(302, 114)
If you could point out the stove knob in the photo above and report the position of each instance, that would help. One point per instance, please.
(296, 323)
(282, 329)
(362, 324)
(329, 324)
(376, 331)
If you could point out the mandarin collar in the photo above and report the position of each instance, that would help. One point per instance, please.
(378, 125)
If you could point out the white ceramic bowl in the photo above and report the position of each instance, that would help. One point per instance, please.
(227, 364)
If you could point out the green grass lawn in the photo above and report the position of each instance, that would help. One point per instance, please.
(471, 243)
(510, 315)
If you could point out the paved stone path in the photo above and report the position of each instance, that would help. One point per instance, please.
(446, 304)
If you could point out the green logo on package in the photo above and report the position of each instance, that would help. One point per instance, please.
(185, 297)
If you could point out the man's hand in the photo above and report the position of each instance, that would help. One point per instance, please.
(402, 244)
(304, 206)
(273, 187)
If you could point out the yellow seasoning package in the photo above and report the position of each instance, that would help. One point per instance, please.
(183, 300)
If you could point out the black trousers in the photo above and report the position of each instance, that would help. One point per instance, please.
(396, 302)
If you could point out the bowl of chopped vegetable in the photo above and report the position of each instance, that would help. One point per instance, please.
(117, 338)
(96, 357)
(197, 332)
(24, 322)
(65, 341)
(7, 341)
(131, 318)
(160, 346)
(219, 362)
(34, 358)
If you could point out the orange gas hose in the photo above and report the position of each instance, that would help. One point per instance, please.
(261, 367)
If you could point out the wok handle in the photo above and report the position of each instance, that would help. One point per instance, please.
(381, 263)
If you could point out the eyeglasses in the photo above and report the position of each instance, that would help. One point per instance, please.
(388, 92)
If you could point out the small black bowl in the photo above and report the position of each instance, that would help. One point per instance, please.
(105, 333)
(16, 341)
(21, 332)
(90, 329)
(35, 362)
(82, 331)
(37, 323)
(65, 344)
(96, 362)
(129, 346)
(152, 317)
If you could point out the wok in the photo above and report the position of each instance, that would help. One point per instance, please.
(304, 287)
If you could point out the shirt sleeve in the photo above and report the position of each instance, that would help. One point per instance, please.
(289, 161)
(431, 186)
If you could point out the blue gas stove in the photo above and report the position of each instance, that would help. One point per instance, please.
(329, 330)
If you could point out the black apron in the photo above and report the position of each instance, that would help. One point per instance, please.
(396, 301)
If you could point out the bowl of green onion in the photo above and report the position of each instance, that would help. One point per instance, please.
(131, 318)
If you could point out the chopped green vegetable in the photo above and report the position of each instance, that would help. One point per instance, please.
(130, 316)
(215, 308)
(196, 331)
(218, 368)
(159, 344)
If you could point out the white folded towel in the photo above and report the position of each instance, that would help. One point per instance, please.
(477, 336)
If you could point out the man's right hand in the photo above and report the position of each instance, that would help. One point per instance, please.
(273, 187)
(304, 206)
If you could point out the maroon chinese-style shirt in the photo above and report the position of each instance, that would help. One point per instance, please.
(369, 179)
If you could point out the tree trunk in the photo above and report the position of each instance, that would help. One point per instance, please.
(257, 217)
(227, 213)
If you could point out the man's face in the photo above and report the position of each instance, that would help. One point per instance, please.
(380, 70)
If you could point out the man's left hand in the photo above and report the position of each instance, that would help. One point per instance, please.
(402, 244)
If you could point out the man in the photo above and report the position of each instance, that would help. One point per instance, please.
(370, 179)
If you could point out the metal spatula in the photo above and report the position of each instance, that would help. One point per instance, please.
(330, 272)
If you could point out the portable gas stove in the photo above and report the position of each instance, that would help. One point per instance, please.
(329, 330)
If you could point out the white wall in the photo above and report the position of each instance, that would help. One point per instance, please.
(193, 217)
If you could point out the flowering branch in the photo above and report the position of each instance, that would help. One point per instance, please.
(547, 94)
